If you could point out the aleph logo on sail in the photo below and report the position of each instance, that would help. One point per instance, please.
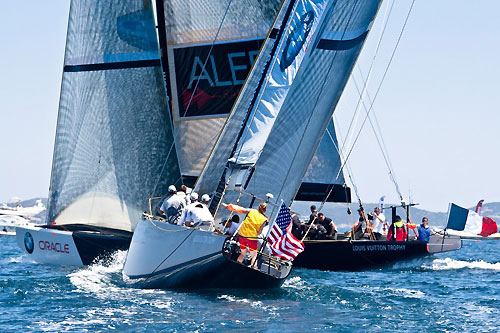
(296, 39)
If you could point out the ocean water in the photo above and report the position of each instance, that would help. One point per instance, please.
(458, 291)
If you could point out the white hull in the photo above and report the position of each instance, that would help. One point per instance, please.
(468, 235)
(48, 245)
(161, 253)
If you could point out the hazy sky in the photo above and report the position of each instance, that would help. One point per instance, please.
(438, 107)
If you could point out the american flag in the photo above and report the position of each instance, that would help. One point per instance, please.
(283, 244)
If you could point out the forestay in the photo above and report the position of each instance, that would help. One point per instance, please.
(113, 130)
(304, 115)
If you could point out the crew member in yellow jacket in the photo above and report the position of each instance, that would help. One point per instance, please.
(250, 228)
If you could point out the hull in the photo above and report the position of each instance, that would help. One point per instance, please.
(467, 235)
(167, 256)
(335, 255)
(75, 245)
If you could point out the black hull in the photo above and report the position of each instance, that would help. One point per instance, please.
(344, 255)
(95, 243)
(214, 272)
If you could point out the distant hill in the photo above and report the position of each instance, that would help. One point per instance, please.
(28, 203)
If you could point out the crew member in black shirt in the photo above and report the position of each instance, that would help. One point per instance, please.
(328, 224)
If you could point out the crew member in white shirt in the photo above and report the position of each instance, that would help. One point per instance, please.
(200, 215)
(186, 215)
(172, 206)
(232, 225)
(380, 226)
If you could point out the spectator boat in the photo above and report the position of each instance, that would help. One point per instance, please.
(344, 253)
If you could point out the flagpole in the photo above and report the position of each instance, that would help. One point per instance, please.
(264, 242)
(447, 222)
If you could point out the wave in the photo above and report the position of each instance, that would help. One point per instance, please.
(452, 264)
(257, 305)
(17, 259)
(104, 280)
(97, 277)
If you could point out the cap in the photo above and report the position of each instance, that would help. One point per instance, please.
(194, 196)
(172, 188)
(205, 198)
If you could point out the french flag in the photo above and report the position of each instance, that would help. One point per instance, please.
(463, 219)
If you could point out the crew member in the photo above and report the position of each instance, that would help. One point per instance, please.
(231, 225)
(397, 231)
(314, 214)
(250, 229)
(186, 215)
(200, 215)
(172, 206)
(379, 224)
(357, 228)
(424, 232)
(328, 225)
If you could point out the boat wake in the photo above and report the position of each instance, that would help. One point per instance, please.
(100, 276)
(17, 259)
(104, 280)
(452, 264)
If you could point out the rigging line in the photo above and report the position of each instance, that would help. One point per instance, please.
(175, 135)
(316, 103)
(383, 78)
(347, 167)
(383, 149)
(349, 172)
(377, 124)
(352, 125)
(384, 152)
(171, 253)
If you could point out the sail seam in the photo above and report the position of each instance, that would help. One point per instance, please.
(112, 65)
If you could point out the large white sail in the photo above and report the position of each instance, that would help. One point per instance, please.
(113, 130)
(305, 113)
(190, 29)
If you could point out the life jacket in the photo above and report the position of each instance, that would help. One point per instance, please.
(397, 232)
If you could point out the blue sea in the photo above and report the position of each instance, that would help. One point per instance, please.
(458, 291)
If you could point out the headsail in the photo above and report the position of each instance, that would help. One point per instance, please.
(305, 113)
(114, 133)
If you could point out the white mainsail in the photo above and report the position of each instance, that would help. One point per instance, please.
(113, 130)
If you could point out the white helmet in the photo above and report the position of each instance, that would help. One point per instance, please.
(194, 196)
(205, 198)
(172, 189)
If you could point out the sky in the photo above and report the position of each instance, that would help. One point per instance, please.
(437, 107)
